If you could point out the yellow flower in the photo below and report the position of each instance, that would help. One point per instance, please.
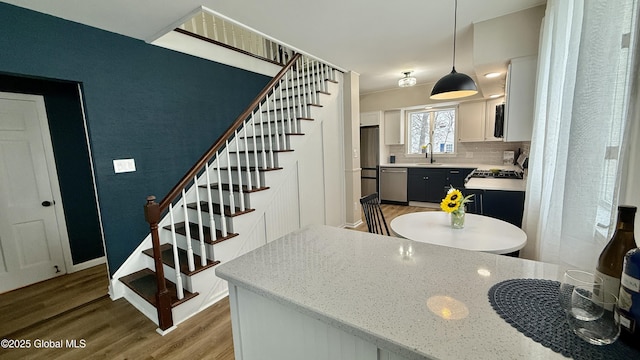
(454, 200)
(449, 206)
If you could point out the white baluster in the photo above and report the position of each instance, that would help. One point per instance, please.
(324, 78)
(224, 32)
(187, 229)
(255, 153)
(270, 139)
(215, 28)
(289, 108)
(212, 222)
(305, 89)
(205, 33)
(203, 251)
(176, 258)
(275, 112)
(223, 222)
(235, 135)
(232, 202)
(300, 94)
(283, 127)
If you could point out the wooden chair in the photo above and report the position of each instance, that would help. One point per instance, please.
(373, 214)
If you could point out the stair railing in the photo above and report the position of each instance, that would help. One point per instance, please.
(253, 137)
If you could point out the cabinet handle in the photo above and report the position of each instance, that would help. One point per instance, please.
(454, 172)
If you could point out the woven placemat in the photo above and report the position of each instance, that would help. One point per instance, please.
(532, 307)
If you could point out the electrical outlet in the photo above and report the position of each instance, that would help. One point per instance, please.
(124, 165)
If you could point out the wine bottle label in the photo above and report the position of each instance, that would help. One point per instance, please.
(624, 300)
(630, 282)
(627, 323)
(611, 284)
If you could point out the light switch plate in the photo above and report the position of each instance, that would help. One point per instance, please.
(124, 165)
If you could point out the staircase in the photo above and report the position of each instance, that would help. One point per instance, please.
(227, 203)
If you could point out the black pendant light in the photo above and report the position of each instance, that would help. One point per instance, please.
(454, 85)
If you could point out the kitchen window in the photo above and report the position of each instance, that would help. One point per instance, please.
(437, 126)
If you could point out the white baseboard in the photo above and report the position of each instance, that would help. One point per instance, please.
(87, 264)
(353, 225)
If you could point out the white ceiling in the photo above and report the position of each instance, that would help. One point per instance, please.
(377, 39)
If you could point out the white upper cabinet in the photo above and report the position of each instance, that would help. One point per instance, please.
(471, 121)
(490, 120)
(393, 127)
(370, 118)
(520, 95)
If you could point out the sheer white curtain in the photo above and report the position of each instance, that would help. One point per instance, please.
(578, 135)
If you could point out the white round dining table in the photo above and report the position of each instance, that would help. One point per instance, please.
(480, 233)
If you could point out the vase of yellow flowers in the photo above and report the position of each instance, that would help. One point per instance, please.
(454, 203)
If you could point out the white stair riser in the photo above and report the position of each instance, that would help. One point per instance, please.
(225, 197)
(273, 128)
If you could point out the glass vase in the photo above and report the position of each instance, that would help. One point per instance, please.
(457, 218)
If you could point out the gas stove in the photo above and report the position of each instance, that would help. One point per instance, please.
(500, 174)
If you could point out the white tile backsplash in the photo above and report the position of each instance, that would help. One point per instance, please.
(468, 152)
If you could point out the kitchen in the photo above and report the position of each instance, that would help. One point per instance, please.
(491, 133)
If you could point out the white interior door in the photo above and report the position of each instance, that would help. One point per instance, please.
(30, 245)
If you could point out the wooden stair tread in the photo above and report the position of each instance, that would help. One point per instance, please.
(273, 121)
(236, 188)
(166, 251)
(144, 283)
(252, 168)
(195, 233)
(267, 135)
(216, 209)
(289, 107)
(260, 151)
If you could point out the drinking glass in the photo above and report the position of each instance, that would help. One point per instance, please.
(592, 315)
(573, 278)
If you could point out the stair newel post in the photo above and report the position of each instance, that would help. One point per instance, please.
(176, 258)
(232, 203)
(163, 298)
(223, 222)
(187, 230)
(203, 251)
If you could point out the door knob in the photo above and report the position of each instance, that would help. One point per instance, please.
(48, 203)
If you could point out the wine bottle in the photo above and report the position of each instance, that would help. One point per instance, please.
(610, 261)
(629, 299)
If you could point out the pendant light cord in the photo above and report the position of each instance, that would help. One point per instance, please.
(455, 22)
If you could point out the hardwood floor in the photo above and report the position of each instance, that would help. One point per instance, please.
(114, 329)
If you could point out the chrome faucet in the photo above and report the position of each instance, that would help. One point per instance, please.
(430, 147)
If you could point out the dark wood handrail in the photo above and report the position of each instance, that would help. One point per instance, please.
(215, 42)
(177, 189)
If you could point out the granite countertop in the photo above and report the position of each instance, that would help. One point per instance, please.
(431, 304)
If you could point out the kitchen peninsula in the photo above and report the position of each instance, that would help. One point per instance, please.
(330, 293)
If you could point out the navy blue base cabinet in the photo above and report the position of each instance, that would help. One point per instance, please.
(504, 205)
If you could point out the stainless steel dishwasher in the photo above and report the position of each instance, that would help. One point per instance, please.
(393, 184)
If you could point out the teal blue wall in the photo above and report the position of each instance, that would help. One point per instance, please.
(160, 107)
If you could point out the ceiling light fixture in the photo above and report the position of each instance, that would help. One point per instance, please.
(492, 75)
(454, 85)
(407, 80)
